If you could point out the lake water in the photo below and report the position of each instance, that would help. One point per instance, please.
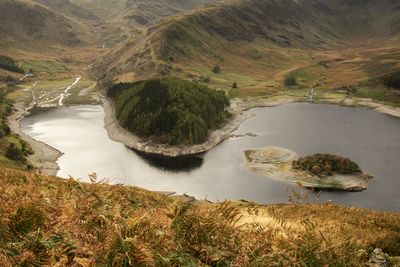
(370, 138)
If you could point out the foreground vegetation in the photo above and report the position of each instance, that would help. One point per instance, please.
(169, 110)
(326, 164)
(50, 221)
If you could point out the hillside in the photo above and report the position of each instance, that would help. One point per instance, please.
(45, 220)
(257, 43)
(146, 13)
(68, 9)
(33, 29)
(29, 25)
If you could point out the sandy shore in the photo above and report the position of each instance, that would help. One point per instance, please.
(45, 156)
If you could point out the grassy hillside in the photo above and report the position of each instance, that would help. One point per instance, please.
(28, 24)
(47, 220)
(69, 9)
(146, 13)
(258, 43)
(75, 32)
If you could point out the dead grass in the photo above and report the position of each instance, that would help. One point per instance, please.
(49, 221)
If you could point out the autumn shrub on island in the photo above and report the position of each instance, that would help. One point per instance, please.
(326, 164)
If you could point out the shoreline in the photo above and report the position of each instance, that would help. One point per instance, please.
(45, 157)
(276, 163)
(119, 134)
(237, 109)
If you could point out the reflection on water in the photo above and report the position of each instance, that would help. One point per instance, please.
(370, 138)
(172, 164)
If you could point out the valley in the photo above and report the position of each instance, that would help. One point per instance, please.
(103, 100)
(249, 60)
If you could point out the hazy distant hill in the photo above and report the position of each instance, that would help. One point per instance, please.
(28, 21)
(255, 32)
(68, 8)
(145, 12)
(73, 22)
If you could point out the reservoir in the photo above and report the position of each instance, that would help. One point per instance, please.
(369, 138)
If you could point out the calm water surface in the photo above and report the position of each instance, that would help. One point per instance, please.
(370, 138)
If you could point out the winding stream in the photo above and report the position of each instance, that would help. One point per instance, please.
(370, 138)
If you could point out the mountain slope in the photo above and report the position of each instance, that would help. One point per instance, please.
(257, 38)
(32, 25)
(23, 21)
(68, 8)
(144, 12)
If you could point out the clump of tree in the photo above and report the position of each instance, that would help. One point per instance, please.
(169, 110)
(19, 153)
(205, 79)
(216, 69)
(15, 153)
(4, 129)
(393, 80)
(290, 79)
(9, 64)
(326, 164)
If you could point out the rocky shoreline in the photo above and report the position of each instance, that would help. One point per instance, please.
(237, 109)
(119, 134)
(45, 156)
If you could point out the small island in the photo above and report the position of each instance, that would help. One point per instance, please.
(319, 171)
(170, 110)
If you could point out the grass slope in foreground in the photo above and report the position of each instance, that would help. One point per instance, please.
(169, 110)
(47, 221)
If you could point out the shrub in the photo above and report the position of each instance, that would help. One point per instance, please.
(8, 63)
(9, 79)
(290, 80)
(205, 79)
(16, 153)
(326, 164)
(393, 80)
(27, 219)
(216, 69)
